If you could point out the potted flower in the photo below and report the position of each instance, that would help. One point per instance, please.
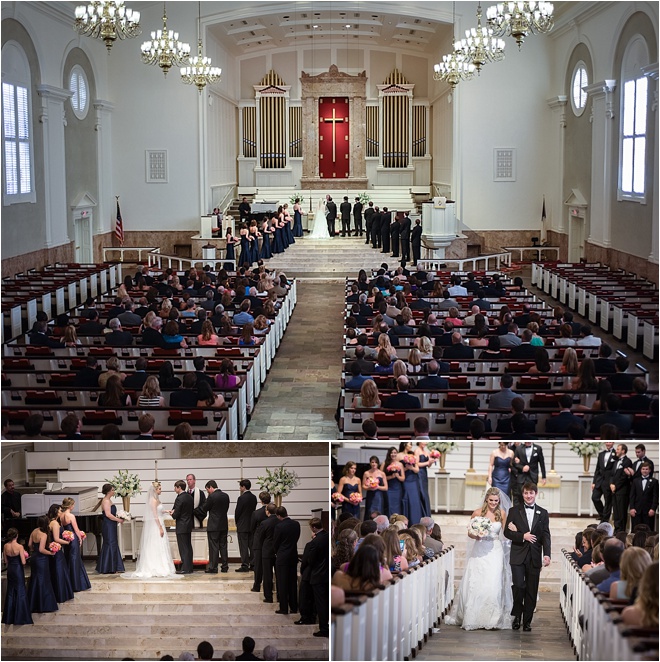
(126, 485)
(278, 483)
(585, 449)
(442, 447)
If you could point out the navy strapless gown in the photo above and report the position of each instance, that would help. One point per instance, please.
(265, 253)
(109, 559)
(254, 249)
(230, 254)
(297, 224)
(501, 477)
(16, 610)
(41, 597)
(289, 233)
(347, 506)
(412, 498)
(77, 572)
(394, 496)
(245, 250)
(375, 500)
(59, 576)
(424, 484)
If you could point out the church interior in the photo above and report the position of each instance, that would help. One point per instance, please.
(533, 158)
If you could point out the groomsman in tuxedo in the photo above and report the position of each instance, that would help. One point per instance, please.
(357, 217)
(318, 560)
(528, 459)
(620, 487)
(602, 480)
(368, 218)
(640, 452)
(182, 512)
(516, 496)
(267, 550)
(198, 497)
(330, 215)
(528, 528)
(259, 516)
(345, 211)
(644, 498)
(217, 526)
(246, 504)
(285, 545)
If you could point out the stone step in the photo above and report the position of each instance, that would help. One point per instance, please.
(148, 606)
(191, 593)
(131, 616)
(210, 586)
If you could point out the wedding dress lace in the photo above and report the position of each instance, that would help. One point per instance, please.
(484, 599)
(155, 557)
(320, 229)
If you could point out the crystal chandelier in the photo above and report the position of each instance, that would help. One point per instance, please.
(107, 20)
(519, 19)
(454, 67)
(200, 72)
(480, 46)
(164, 48)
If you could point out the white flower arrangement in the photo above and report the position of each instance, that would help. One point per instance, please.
(585, 448)
(279, 481)
(365, 198)
(125, 484)
(443, 446)
(480, 526)
(292, 199)
(122, 514)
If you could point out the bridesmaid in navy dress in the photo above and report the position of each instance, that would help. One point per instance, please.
(499, 468)
(412, 490)
(109, 560)
(424, 460)
(230, 253)
(350, 484)
(77, 572)
(59, 568)
(289, 223)
(376, 496)
(393, 470)
(297, 219)
(16, 610)
(254, 235)
(245, 245)
(265, 253)
(40, 594)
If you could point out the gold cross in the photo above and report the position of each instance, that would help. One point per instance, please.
(334, 121)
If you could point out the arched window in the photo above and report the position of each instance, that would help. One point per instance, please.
(78, 85)
(578, 95)
(634, 105)
(18, 169)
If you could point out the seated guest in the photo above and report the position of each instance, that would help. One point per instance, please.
(92, 327)
(369, 396)
(226, 376)
(510, 338)
(569, 362)
(634, 562)
(151, 334)
(575, 326)
(402, 399)
(384, 362)
(146, 424)
(208, 337)
(71, 426)
(33, 425)
(166, 377)
(401, 328)
(114, 394)
(565, 338)
(357, 378)
(492, 350)
(611, 416)
(585, 380)
(244, 315)
(644, 612)
(196, 327)
(470, 319)
(587, 548)
(612, 553)
(247, 339)
(462, 423)
(206, 397)
(525, 350)
(648, 426)
(596, 570)
(136, 379)
(604, 365)
(88, 377)
(523, 320)
(477, 429)
(559, 424)
(481, 301)
(199, 363)
(587, 339)
(40, 338)
(432, 382)
(457, 350)
(517, 408)
(621, 381)
(502, 399)
(364, 571)
(129, 317)
(171, 336)
(639, 401)
(112, 368)
(151, 395)
(185, 397)
(111, 432)
(117, 337)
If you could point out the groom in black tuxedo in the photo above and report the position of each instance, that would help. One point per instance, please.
(183, 514)
(528, 528)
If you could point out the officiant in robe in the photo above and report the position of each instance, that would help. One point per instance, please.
(217, 526)
(198, 498)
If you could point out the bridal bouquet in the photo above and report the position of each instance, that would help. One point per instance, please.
(122, 514)
(372, 482)
(54, 547)
(279, 481)
(338, 498)
(479, 526)
(410, 460)
(125, 484)
(68, 535)
(355, 498)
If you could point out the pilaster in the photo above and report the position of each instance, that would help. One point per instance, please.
(103, 127)
(651, 71)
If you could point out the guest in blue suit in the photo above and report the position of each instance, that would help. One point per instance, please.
(402, 399)
(393, 470)
(432, 382)
(561, 423)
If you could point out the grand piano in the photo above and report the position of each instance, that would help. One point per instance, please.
(262, 210)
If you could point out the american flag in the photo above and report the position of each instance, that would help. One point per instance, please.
(119, 227)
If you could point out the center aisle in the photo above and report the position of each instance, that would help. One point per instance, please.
(299, 398)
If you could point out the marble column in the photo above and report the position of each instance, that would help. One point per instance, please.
(105, 213)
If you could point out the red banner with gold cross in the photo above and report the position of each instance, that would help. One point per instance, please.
(333, 138)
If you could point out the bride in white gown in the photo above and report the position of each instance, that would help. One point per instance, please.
(320, 228)
(155, 559)
(484, 599)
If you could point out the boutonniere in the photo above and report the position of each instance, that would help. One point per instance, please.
(538, 512)
(534, 454)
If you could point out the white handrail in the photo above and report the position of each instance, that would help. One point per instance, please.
(433, 264)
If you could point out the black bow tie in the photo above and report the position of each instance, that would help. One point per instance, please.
(530, 507)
